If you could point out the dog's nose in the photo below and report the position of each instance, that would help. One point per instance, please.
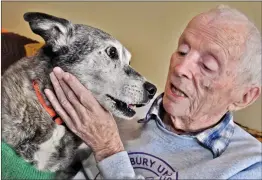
(151, 89)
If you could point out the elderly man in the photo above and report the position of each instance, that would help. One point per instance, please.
(189, 131)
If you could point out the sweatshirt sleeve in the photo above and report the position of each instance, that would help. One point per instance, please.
(253, 172)
(117, 166)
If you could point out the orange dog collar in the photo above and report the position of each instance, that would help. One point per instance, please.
(48, 109)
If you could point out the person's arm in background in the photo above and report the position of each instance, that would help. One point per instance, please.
(93, 124)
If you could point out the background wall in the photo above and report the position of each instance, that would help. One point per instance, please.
(149, 30)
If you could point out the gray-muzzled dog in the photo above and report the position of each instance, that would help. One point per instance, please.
(97, 59)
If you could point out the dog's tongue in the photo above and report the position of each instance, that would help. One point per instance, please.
(130, 106)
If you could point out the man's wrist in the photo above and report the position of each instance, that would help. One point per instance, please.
(105, 152)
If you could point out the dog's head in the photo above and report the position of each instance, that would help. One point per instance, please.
(98, 60)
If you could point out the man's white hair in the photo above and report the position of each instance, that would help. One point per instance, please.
(249, 70)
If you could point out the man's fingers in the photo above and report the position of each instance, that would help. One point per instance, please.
(58, 73)
(83, 94)
(80, 109)
(63, 100)
(58, 108)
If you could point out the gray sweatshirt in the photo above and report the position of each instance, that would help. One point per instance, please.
(223, 152)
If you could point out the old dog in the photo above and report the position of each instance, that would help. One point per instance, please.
(97, 59)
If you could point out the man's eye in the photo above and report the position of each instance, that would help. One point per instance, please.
(112, 52)
(209, 64)
(206, 67)
(182, 53)
(183, 49)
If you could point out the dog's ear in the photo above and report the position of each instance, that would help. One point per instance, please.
(57, 32)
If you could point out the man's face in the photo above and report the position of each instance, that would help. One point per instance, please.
(202, 72)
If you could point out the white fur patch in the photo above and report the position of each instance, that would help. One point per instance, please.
(61, 41)
(47, 25)
(46, 149)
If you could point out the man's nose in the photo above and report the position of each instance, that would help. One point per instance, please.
(186, 66)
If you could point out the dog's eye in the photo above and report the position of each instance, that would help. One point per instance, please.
(112, 52)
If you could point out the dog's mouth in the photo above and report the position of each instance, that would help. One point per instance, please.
(126, 109)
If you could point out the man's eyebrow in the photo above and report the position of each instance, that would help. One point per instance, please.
(216, 53)
(182, 38)
(186, 38)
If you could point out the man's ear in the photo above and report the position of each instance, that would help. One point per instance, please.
(56, 32)
(248, 98)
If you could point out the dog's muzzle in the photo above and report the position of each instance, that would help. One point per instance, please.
(150, 88)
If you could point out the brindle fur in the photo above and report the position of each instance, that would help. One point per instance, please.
(80, 50)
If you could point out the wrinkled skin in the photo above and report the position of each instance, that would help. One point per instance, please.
(204, 68)
(80, 111)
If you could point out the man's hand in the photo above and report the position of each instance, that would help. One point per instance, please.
(84, 115)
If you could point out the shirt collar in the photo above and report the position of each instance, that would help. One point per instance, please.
(216, 139)
(155, 110)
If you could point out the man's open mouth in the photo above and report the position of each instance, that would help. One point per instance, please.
(127, 109)
(177, 91)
